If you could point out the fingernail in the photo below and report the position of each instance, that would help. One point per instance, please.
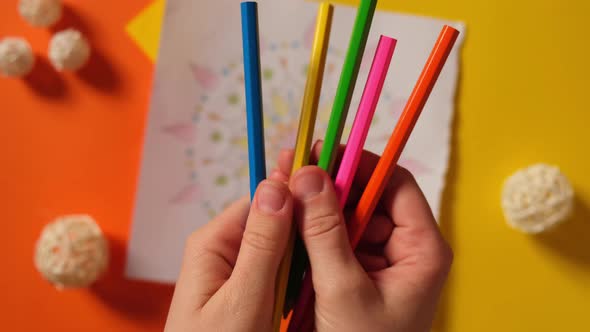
(308, 184)
(270, 198)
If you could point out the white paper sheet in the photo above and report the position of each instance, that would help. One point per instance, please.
(195, 153)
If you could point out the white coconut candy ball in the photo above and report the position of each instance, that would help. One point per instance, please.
(72, 252)
(16, 57)
(69, 50)
(537, 198)
(40, 13)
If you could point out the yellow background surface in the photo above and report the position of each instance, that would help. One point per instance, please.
(523, 99)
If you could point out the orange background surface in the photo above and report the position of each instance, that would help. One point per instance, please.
(73, 140)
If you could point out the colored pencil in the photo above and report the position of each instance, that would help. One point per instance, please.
(351, 158)
(307, 121)
(251, 48)
(344, 92)
(347, 82)
(364, 117)
(388, 161)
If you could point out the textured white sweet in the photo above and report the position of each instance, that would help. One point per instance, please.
(537, 198)
(72, 252)
(40, 13)
(68, 50)
(16, 57)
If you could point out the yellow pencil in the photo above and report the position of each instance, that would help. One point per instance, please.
(309, 110)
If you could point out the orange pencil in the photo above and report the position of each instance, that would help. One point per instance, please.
(384, 170)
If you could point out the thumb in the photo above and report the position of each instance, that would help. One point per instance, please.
(323, 229)
(265, 236)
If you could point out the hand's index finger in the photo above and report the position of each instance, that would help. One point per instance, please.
(416, 249)
(416, 230)
(405, 203)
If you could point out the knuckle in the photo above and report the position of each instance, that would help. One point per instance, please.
(260, 241)
(420, 240)
(322, 225)
(405, 173)
(195, 251)
(439, 264)
(401, 175)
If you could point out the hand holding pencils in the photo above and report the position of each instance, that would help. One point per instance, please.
(384, 169)
(342, 99)
(350, 159)
(359, 133)
(226, 280)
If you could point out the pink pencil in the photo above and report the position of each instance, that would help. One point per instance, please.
(352, 156)
(364, 117)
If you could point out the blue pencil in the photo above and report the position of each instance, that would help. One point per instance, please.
(255, 124)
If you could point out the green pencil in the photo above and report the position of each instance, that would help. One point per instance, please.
(350, 70)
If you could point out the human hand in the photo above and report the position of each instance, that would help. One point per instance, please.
(393, 281)
(228, 276)
(229, 269)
